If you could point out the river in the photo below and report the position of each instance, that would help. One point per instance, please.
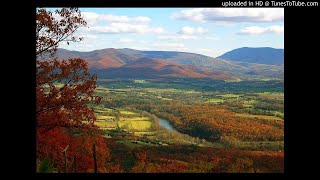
(166, 125)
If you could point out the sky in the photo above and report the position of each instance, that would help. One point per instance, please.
(207, 31)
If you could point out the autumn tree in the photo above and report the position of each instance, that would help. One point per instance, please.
(63, 90)
(53, 28)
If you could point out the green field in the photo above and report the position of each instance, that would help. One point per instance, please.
(259, 116)
(103, 110)
(229, 95)
(147, 133)
(165, 99)
(127, 120)
(134, 119)
(126, 112)
(272, 95)
(105, 124)
(122, 111)
(249, 103)
(100, 90)
(215, 100)
(105, 117)
(135, 125)
(140, 81)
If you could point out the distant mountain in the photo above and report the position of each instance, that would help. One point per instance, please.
(110, 57)
(264, 55)
(182, 63)
(99, 59)
(149, 68)
(186, 59)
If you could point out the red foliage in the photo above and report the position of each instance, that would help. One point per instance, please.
(177, 159)
(63, 91)
(50, 31)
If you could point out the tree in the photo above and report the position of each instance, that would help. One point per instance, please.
(63, 90)
(50, 31)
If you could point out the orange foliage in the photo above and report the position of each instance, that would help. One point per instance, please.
(211, 122)
(209, 160)
(63, 118)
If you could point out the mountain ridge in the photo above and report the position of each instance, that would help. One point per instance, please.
(259, 55)
(149, 68)
(110, 58)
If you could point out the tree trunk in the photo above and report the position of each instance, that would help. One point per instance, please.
(94, 158)
(65, 159)
(65, 162)
(75, 163)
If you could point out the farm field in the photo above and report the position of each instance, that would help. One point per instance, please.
(135, 109)
(244, 124)
(248, 121)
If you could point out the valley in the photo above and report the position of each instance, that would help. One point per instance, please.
(161, 111)
(161, 90)
(152, 116)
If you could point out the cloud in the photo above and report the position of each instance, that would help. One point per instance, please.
(115, 28)
(170, 46)
(189, 33)
(231, 15)
(108, 23)
(187, 30)
(92, 18)
(186, 37)
(124, 19)
(177, 37)
(130, 41)
(88, 37)
(256, 30)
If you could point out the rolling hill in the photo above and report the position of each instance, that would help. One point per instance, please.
(110, 57)
(148, 68)
(99, 59)
(130, 63)
(187, 59)
(263, 55)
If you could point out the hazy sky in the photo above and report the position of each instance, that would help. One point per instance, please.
(208, 31)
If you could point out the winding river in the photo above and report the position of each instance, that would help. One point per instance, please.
(166, 125)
